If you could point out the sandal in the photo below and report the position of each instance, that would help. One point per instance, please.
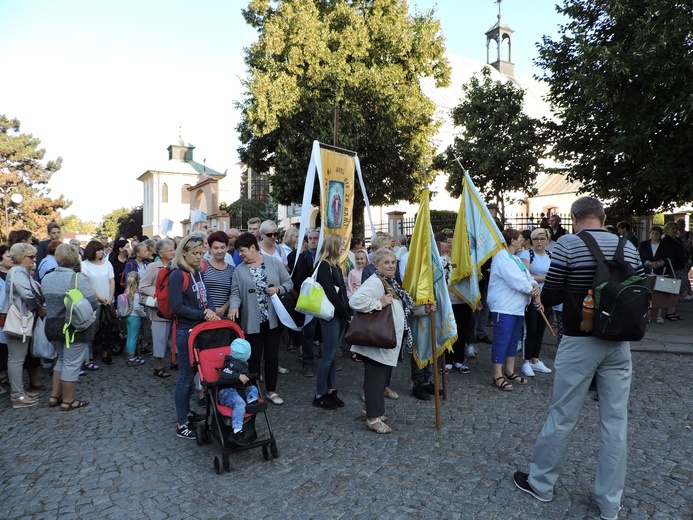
(274, 398)
(504, 385)
(55, 401)
(90, 366)
(516, 378)
(161, 372)
(76, 403)
(378, 426)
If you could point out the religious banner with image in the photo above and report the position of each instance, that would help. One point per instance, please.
(337, 200)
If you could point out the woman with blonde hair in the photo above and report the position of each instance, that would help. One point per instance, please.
(329, 275)
(269, 233)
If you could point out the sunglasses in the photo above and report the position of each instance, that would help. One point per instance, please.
(271, 235)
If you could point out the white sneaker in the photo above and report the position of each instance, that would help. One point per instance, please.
(470, 351)
(448, 367)
(527, 370)
(688, 297)
(539, 366)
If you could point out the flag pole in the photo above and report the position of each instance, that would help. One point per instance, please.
(436, 394)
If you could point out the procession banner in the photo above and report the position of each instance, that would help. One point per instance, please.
(476, 239)
(424, 280)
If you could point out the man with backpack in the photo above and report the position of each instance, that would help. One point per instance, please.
(580, 356)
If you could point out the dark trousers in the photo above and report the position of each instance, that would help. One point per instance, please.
(375, 379)
(535, 327)
(420, 376)
(466, 334)
(265, 344)
(307, 343)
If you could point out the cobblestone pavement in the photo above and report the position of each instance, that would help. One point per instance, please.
(120, 458)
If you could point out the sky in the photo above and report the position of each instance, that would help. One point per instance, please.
(107, 85)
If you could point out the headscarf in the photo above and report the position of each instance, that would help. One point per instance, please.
(407, 304)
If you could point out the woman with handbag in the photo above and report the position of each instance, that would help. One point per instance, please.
(329, 276)
(67, 367)
(23, 302)
(254, 282)
(376, 294)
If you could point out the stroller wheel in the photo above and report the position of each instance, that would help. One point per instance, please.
(117, 347)
(275, 451)
(225, 462)
(265, 452)
(217, 465)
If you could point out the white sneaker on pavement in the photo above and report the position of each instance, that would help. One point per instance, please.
(470, 351)
(527, 370)
(539, 366)
(448, 367)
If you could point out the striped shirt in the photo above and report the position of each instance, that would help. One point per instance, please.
(218, 283)
(572, 273)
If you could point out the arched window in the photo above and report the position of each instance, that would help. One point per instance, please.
(185, 194)
(164, 193)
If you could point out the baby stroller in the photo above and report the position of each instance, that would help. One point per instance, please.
(209, 343)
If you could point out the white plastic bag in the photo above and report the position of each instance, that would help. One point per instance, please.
(40, 346)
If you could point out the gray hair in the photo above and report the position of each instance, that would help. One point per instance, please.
(380, 255)
(268, 226)
(21, 249)
(67, 255)
(586, 207)
(163, 243)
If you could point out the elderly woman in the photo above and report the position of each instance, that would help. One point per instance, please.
(510, 289)
(161, 327)
(22, 291)
(100, 272)
(191, 306)
(55, 285)
(378, 292)
(537, 260)
(254, 281)
(269, 233)
(330, 276)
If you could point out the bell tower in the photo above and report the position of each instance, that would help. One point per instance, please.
(503, 36)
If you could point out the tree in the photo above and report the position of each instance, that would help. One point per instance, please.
(244, 208)
(23, 171)
(621, 77)
(122, 221)
(499, 144)
(366, 56)
(73, 224)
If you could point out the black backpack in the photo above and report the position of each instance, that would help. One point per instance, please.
(621, 297)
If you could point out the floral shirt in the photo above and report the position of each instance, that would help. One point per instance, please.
(260, 279)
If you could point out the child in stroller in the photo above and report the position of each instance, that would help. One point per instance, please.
(235, 371)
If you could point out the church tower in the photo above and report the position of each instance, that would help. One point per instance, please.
(502, 35)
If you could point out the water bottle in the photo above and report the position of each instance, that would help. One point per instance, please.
(587, 313)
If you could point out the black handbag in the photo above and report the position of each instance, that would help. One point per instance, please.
(372, 329)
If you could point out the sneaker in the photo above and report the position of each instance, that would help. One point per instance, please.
(484, 339)
(283, 371)
(688, 297)
(239, 438)
(527, 370)
(194, 417)
(308, 371)
(82, 372)
(145, 351)
(470, 351)
(134, 362)
(522, 484)
(23, 401)
(420, 393)
(335, 399)
(186, 432)
(448, 367)
(539, 366)
(462, 368)
(325, 402)
(603, 517)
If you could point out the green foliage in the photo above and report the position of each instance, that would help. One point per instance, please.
(122, 221)
(499, 144)
(367, 56)
(244, 209)
(23, 171)
(620, 77)
(73, 224)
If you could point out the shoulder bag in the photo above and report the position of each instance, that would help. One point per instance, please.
(312, 299)
(17, 324)
(372, 329)
(668, 285)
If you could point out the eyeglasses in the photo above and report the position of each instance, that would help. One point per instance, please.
(33, 257)
(540, 239)
(271, 235)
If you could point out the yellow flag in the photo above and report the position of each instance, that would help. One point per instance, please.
(337, 200)
(418, 276)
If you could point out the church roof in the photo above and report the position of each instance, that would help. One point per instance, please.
(556, 184)
(500, 25)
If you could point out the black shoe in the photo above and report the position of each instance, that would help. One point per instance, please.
(522, 484)
(239, 438)
(145, 351)
(108, 359)
(420, 393)
(173, 366)
(186, 432)
(333, 397)
(195, 417)
(255, 407)
(484, 339)
(432, 389)
(324, 402)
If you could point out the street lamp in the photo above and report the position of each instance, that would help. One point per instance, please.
(15, 198)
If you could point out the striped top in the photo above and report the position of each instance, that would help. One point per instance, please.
(572, 272)
(218, 283)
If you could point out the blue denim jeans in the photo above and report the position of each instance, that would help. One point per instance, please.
(332, 335)
(181, 394)
(231, 398)
(507, 330)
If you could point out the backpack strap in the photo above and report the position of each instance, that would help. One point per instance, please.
(594, 248)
